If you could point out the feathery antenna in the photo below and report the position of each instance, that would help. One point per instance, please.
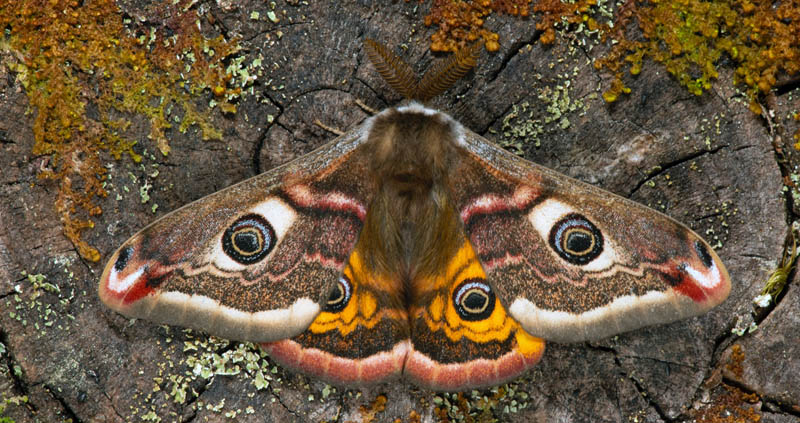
(399, 75)
(394, 70)
(444, 74)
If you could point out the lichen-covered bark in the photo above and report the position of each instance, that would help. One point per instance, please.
(707, 161)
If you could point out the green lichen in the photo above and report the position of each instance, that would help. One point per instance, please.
(520, 126)
(525, 124)
(15, 401)
(198, 361)
(41, 304)
(779, 277)
(69, 55)
(461, 22)
(690, 37)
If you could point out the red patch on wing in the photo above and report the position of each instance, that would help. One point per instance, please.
(137, 291)
(116, 288)
(689, 287)
(303, 196)
(494, 203)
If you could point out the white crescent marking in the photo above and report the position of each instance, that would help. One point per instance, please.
(204, 313)
(280, 216)
(120, 286)
(545, 215)
(710, 279)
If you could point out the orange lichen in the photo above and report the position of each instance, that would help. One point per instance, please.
(461, 22)
(731, 406)
(552, 13)
(71, 54)
(688, 37)
(734, 364)
(376, 407)
(796, 135)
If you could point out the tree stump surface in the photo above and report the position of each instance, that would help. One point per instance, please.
(705, 160)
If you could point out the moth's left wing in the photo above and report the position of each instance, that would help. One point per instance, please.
(572, 262)
(254, 261)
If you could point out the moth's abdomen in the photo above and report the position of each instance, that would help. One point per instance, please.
(411, 226)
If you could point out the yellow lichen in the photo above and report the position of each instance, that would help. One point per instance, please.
(688, 37)
(71, 54)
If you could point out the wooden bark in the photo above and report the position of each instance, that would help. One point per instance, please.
(705, 160)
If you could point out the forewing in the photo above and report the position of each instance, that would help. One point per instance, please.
(253, 261)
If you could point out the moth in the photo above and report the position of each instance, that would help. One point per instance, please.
(412, 247)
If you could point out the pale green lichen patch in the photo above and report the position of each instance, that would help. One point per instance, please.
(41, 304)
(15, 401)
(198, 361)
(143, 184)
(519, 127)
(718, 229)
(744, 324)
(526, 124)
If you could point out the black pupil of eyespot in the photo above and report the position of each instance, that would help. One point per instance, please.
(340, 296)
(474, 301)
(247, 241)
(579, 241)
(576, 240)
(336, 295)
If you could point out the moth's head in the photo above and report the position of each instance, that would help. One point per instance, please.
(412, 135)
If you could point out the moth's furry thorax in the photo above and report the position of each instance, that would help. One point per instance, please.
(411, 219)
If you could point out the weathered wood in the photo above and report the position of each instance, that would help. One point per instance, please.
(707, 161)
